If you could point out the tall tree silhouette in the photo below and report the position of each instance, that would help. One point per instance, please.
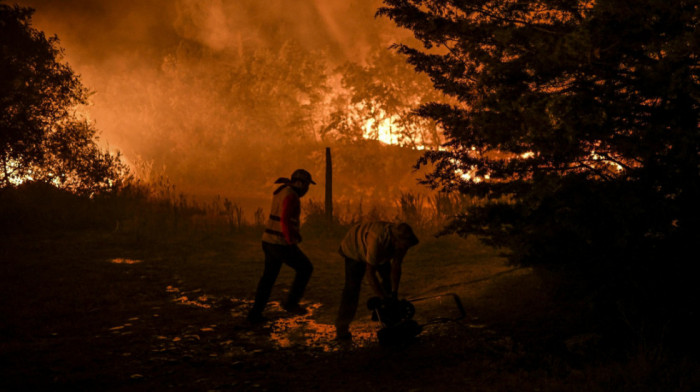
(41, 136)
(577, 123)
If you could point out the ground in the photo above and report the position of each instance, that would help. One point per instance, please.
(120, 312)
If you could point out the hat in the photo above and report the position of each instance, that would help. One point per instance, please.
(404, 232)
(302, 175)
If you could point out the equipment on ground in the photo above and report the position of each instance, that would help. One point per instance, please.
(396, 317)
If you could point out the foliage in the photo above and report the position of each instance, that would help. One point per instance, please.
(577, 122)
(41, 135)
(216, 116)
(222, 118)
(376, 102)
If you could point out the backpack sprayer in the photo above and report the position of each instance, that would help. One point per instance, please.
(396, 317)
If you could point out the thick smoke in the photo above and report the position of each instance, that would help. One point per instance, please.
(224, 96)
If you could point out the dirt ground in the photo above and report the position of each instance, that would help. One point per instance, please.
(106, 311)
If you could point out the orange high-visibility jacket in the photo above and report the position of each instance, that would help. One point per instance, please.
(283, 224)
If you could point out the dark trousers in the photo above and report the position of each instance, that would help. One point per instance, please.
(275, 256)
(354, 272)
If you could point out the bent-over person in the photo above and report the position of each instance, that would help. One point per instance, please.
(374, 250)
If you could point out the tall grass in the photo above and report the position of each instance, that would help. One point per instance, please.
(152, 208)
(145, 209)
(427, 214)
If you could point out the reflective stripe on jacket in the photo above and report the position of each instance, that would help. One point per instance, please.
(283, 223)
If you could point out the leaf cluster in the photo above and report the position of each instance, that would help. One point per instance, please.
(577, 121)
(42, 137)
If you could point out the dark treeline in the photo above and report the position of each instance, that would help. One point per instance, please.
(584, 117)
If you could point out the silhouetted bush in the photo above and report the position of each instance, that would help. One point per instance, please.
(577, 123)
(42, 136)
(41, 207)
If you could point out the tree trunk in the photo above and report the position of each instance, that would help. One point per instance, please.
(329, 186)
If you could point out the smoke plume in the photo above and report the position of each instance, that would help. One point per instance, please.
(222, 97)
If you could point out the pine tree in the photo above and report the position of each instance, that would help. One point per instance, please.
(576, 123)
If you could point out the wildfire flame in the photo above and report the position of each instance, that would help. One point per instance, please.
(382, 130)
(11, 167)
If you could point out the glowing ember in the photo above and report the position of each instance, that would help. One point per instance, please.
(125, 261)
(193, 302)
(200, 301)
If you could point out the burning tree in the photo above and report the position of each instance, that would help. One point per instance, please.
(578, 122)
(376, 102)
(42, 137)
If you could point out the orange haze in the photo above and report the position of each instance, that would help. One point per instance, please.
(170, 79)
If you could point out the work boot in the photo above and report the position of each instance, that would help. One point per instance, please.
(342, 334)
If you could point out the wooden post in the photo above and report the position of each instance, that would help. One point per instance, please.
(329, 186)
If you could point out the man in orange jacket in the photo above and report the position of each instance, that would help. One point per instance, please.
(280, 245)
